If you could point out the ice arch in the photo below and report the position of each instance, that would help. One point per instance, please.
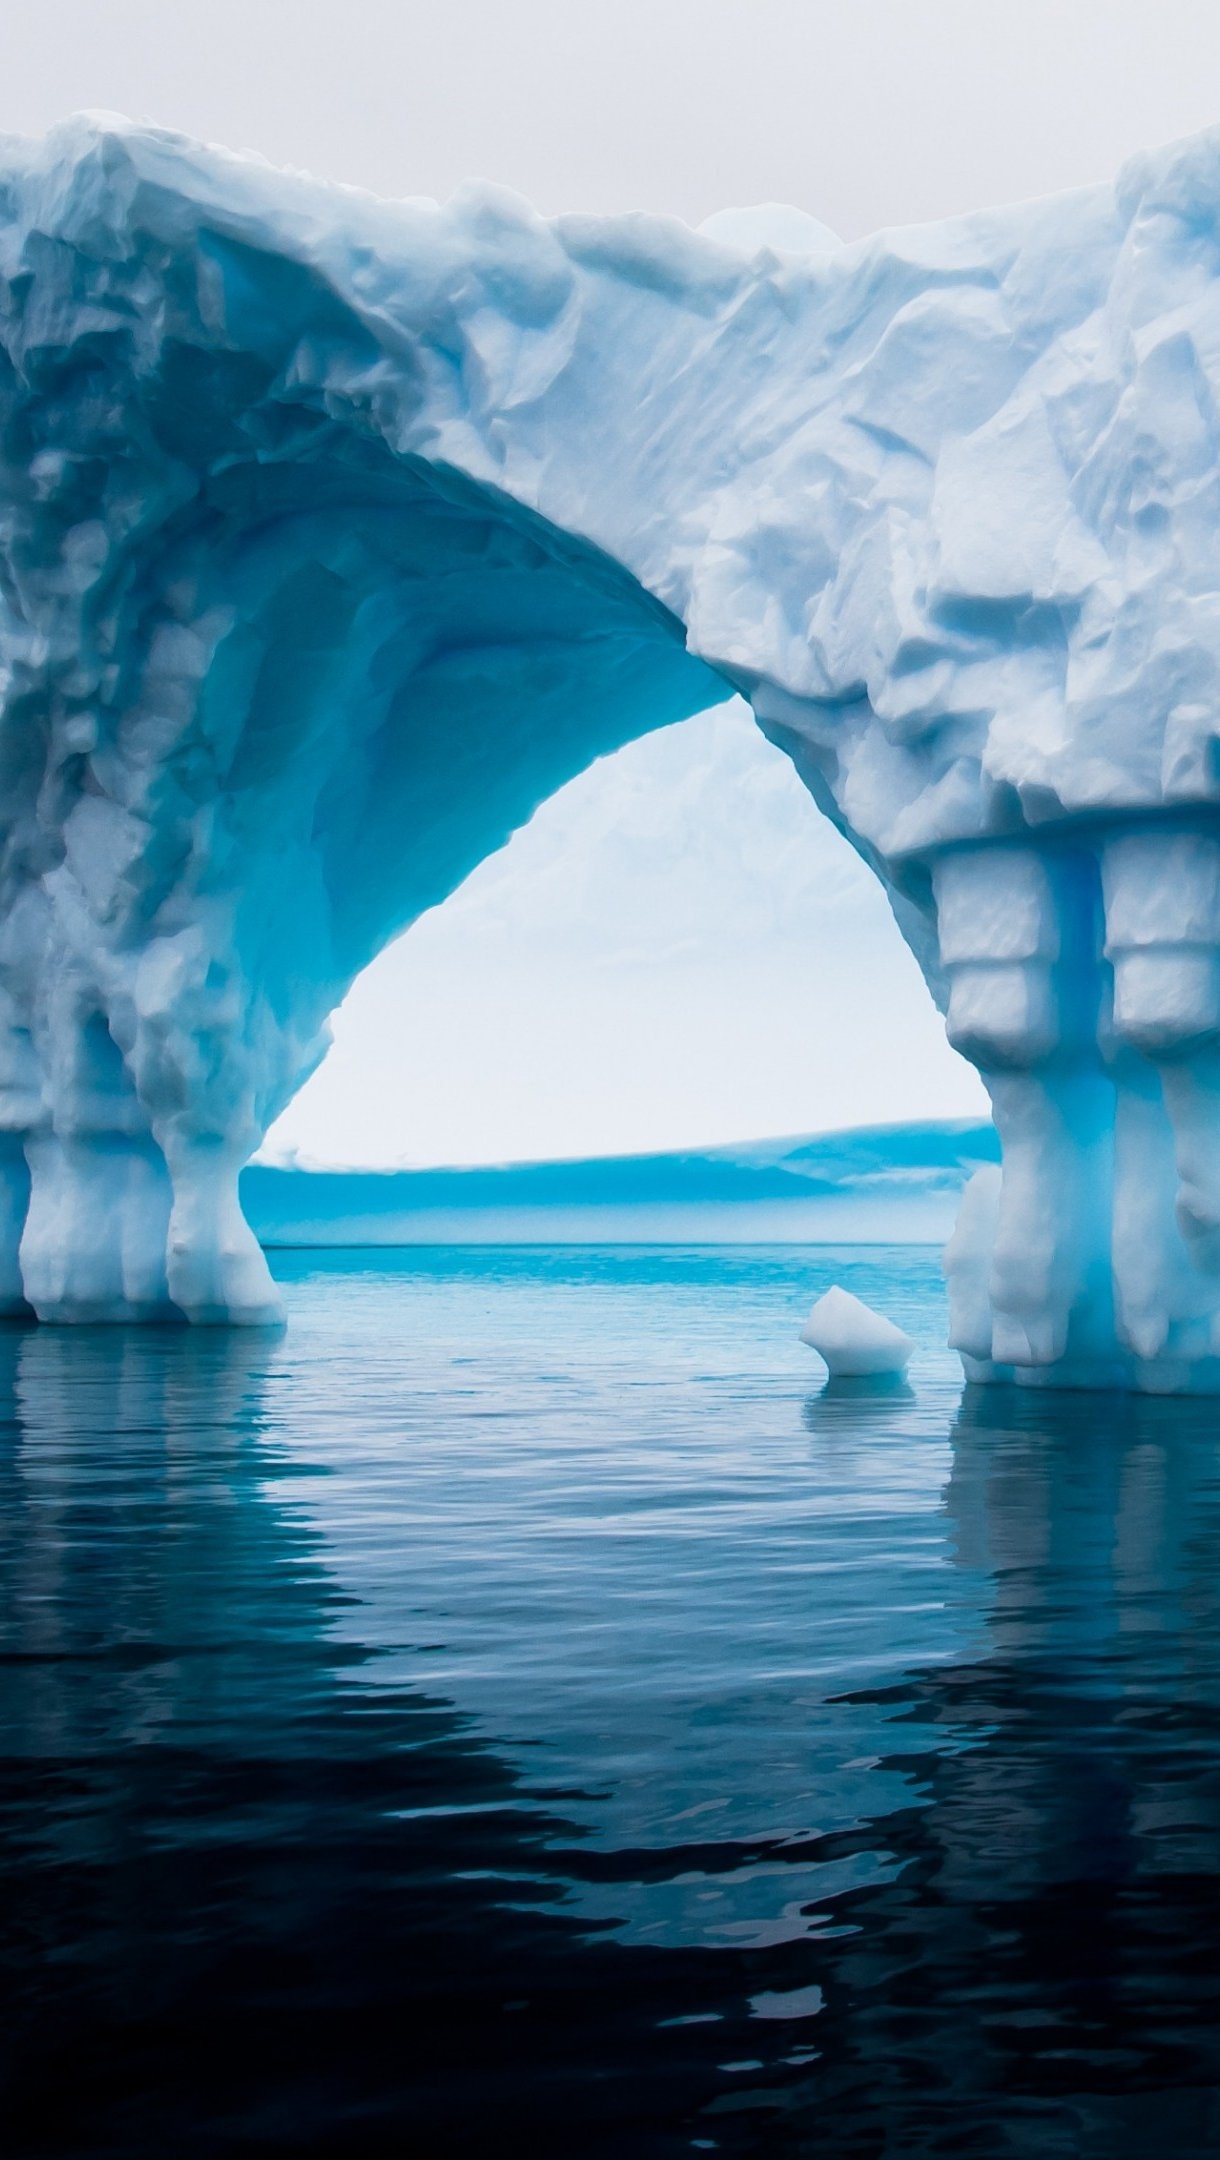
(334, 534)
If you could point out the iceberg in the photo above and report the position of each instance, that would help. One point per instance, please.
(854, 1342)
(336, 534)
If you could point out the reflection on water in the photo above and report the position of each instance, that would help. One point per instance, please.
(845, 1399)
(519, 1711)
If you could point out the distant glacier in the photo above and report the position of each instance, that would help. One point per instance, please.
(883, 1184)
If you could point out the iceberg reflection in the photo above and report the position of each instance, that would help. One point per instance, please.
(901, 1719)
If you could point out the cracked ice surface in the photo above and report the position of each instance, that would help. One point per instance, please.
(336, 534)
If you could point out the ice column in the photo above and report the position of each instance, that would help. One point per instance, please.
(1017, 935)
(1084, 982)
(1162, 939)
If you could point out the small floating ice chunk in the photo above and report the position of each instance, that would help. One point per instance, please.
(855, 1341)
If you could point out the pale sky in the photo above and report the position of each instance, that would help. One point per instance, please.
(677, 950)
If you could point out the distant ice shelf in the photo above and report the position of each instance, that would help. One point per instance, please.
(885, 1184)
(336, 534)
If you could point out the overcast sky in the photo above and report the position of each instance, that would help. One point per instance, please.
(676, 950)
(866, 112)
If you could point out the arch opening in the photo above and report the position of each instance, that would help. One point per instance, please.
(677, 952)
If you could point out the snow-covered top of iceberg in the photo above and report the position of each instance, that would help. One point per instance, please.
(778, 226)
(944, 501)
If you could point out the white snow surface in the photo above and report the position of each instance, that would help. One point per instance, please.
(336, 534)
(855, 1342)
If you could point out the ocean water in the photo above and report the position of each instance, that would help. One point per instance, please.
(521, 1710)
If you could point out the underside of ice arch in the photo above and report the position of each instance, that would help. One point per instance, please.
(336, 534)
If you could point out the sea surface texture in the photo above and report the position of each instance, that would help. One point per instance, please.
(521, 1710)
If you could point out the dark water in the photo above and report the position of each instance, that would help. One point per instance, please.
(517, 1713)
